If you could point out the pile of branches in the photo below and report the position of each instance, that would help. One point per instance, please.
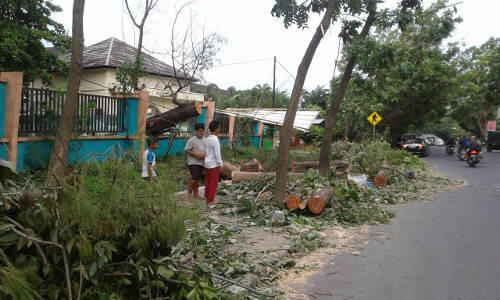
(103, 234)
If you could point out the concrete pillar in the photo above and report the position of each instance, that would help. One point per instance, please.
(231, 130)
(259, 133)
(209, 114)
(142, 111)
(13, 95)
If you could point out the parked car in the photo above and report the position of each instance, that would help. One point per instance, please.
(405, 137)
(417, 146)
(493, 141)
(432, 140)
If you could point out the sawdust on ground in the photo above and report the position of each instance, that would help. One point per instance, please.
(344, 239)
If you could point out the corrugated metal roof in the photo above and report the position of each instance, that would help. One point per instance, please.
(303, 118)
(112, 53)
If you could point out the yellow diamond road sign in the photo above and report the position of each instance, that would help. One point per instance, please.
(374, 118)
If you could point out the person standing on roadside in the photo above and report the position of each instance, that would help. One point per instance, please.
(213, 163)
(195, 151)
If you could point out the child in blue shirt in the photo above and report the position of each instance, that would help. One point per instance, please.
(149, 160)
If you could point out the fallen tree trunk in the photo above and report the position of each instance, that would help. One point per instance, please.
(251, 166)
(227, 170)
(301, 167)
(163, 122)
(319, 200)
(239, 176)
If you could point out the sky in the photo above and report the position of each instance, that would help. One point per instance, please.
(253, 36)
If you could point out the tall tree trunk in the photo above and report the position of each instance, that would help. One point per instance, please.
(59, 155)
(326, 141)
(286, 130)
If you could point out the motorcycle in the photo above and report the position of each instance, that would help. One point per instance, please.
(473, 158)
(462, 152)
(450, 149)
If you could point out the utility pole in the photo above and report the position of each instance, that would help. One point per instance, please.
(274, 83)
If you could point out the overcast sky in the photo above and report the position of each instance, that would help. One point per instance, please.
(253, 36)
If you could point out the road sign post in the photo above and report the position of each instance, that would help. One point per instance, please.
(374, 118)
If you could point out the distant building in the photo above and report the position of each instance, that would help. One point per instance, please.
(100, 62)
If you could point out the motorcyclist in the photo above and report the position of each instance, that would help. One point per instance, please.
(464, 142)
(474, 145)
(450, 143)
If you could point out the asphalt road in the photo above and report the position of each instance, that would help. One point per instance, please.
(448, 248)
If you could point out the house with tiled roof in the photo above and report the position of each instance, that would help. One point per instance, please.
(100, 62)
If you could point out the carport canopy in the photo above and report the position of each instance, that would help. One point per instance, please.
(303, 119)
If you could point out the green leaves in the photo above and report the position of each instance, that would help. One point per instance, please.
(23, 26)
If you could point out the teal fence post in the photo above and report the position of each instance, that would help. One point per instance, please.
(2, 109)
(130, 117)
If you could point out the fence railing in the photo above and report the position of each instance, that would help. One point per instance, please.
(41, 110)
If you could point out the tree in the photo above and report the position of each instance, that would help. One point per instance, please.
(59, 155)
(260, 96)
(149, 5)
(25, 25)
(355, 42)
(479, 80)
(298, 14)
(128, 75)
(191, 53)
(408, 75)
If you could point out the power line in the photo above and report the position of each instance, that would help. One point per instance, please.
(289, 73)
(243, 62)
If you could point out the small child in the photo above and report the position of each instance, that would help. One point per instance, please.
(149, 160)
(195, 150)
(213, 163)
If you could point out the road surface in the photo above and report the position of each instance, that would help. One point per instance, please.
(448, 248)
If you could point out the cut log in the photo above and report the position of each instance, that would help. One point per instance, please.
(380, 179)
(320, 199)
(227, 170)
(304, 166)
(292, 201)
(251, 166)
(239, 176)
(301, 167)
(164, 122)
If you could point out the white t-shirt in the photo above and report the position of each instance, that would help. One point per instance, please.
(213, 158)
(148, 158)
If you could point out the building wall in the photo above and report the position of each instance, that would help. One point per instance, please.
(101, 81)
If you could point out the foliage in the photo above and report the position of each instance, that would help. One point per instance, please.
(260, 96)
(116, 230)
(409, 69)
(479, 81)
(128, 76)
(25, 27)
(313, 135)
(318, 97)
